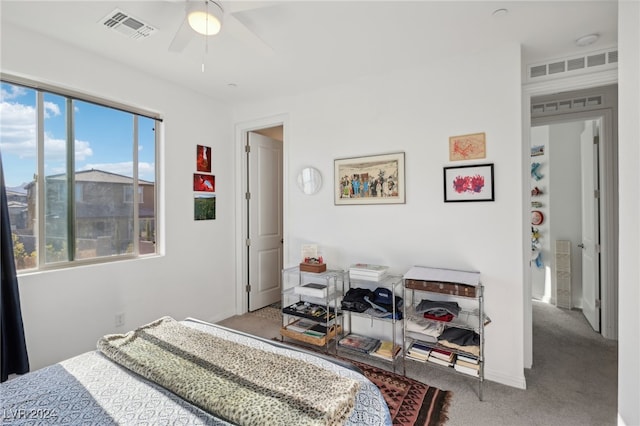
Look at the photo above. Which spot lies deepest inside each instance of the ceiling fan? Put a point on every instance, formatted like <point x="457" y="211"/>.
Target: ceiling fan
<point x="209" y="17"/>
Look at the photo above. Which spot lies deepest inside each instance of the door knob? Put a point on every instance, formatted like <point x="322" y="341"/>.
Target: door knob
<point x="581" y="245"/>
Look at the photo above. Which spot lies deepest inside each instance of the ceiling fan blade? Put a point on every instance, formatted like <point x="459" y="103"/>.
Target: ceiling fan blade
<point x="235" y="6"/>
<point x="240" y="28"/>
<point x="235" y="22"/>
<point x="182" y="38"/>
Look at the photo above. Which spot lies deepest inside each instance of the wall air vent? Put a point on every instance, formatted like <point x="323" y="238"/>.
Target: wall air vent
<point x="556" y="67"/>
<point x="575" y="64"/>
<point x="538" y="71"/>
<point x="567" y="105"/>
<point x="596" y="60"/>
<point x="564" y="67"/>
<point x="127" y="25"/>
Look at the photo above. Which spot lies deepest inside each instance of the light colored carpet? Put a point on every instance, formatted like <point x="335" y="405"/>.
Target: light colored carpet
<point x="573" y="380"/>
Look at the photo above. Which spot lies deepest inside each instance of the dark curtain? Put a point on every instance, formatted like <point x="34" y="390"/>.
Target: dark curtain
<point x="13" y="347"/>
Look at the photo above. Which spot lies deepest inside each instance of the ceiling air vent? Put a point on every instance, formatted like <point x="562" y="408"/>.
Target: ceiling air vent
<point x="563" y="67"/>
<point x="127" y="25"/>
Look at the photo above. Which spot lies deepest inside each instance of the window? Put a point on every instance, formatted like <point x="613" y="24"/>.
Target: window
<point x="128" y="194"/>
<point x="80" y="175"/>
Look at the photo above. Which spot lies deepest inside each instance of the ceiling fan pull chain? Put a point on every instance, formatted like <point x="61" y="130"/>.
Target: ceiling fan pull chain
<point x="206" y="39"/>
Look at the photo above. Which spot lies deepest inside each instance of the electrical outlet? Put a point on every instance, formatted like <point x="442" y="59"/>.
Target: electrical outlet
<point x="119" y="319"/>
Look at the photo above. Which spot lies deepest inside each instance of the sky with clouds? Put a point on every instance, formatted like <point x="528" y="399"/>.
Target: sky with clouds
<point x="103" y="137"/>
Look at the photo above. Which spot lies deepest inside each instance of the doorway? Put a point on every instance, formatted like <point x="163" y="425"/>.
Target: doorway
<point x="565" y="210"/>
<point x="578" y="201"/>
<point x="264" y="227"/>
<point x="260" y="201"/>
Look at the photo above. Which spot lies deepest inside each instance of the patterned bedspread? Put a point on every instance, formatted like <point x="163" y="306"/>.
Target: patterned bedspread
<point x="91" y="389"/>
<point x="249" y="387"/>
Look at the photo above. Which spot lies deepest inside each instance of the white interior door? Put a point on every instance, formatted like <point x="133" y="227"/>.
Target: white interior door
<point x="265" y="220"/>
<point x="590" y="246"/>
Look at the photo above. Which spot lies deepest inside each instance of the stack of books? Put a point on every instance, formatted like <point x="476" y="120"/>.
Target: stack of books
<point x="318" y="331"/>
<point x="419" y="351"/>
<point x="387" y="350"/>
<point x="367" y="271"/>
<point x="441" y="357"/>
<point x="309" y="328"/>
<point x="301" y="325"/>
<point x="359" y="343"/>
<point x="467" y="365"/>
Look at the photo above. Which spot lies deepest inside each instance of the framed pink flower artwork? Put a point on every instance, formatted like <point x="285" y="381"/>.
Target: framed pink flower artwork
<point x="468" y="183"/>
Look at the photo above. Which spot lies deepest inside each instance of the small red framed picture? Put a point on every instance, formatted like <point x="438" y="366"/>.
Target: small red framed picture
<point x="203" y="158"/>
<point x="204" y="183"/>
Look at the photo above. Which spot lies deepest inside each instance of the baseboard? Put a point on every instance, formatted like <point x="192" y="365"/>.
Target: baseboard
<point x="218" y="318"/>
<point x="498" y="377"/>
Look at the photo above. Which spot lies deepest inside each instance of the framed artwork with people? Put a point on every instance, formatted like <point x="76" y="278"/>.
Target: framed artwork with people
<point x="372" y="179"/>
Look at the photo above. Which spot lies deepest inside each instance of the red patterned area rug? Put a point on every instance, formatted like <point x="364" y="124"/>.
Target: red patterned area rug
<point x="410" y="402"/>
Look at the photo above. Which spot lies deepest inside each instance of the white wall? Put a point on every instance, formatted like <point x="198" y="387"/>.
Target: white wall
<point x="629" y="181"/>
<point x="416" y="111"/>
<point x="66" y="311"/>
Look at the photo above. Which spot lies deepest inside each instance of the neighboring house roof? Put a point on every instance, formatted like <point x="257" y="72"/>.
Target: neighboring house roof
<point x="17" y="205"/>
<point x="17" y="190"/>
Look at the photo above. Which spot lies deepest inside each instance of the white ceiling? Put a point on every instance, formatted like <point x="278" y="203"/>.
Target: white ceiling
<point x="310" y="44"/>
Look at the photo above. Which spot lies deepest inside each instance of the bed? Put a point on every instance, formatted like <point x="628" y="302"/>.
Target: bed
<point x="193" y="373"/>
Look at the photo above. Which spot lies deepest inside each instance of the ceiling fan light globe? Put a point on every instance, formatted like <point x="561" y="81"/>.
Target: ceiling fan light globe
<point x="203" y="23"/>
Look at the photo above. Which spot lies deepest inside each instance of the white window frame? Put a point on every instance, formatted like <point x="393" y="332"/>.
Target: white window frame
<point x="40" y="89"/>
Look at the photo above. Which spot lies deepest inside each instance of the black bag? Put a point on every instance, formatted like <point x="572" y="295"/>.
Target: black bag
<point x="354" y="299"/>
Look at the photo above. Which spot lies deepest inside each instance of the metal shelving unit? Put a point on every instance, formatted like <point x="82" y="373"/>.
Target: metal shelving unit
<point x="391" y="282"/>
<point x="471" y="317"/>
<point x="297" y="306"/>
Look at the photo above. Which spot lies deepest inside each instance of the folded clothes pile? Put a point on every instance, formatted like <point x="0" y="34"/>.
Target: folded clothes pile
<point x="461" y="339"/>
<point x="382" y="304"/>
<point x="377" y="303"/>
<point x="438" y="310"/>
<point x="419" y="328"/>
